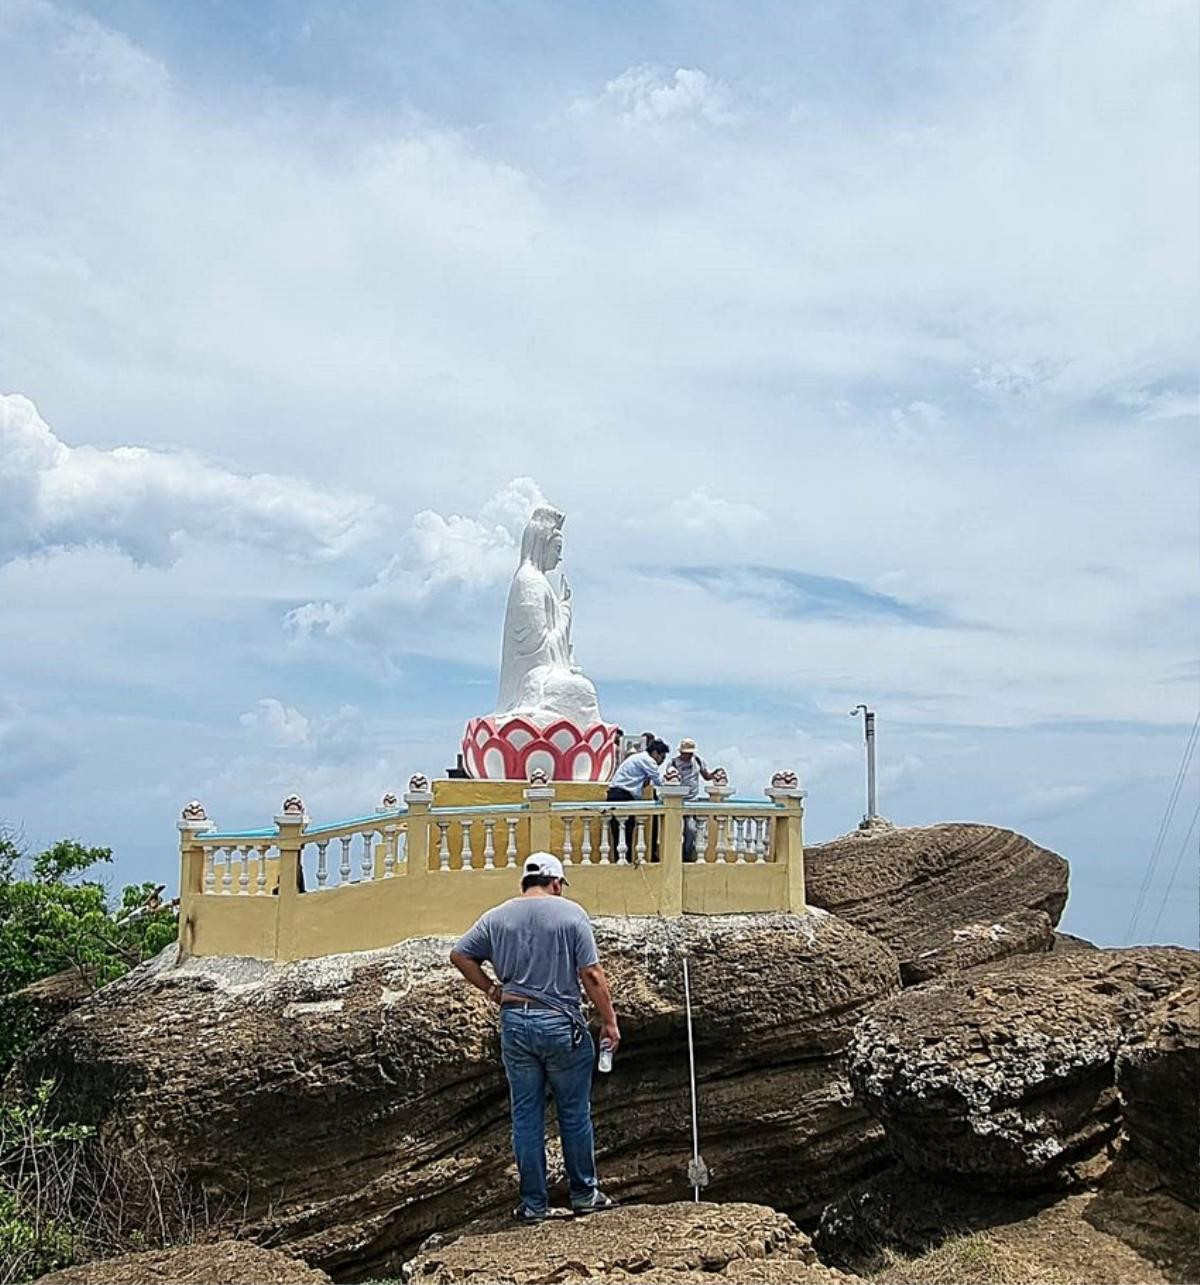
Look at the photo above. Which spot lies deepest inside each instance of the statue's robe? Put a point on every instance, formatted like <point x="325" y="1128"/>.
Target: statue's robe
<point x="538" y="678"/>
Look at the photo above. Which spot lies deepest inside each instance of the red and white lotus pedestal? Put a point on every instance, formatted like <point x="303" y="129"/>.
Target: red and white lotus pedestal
<point x="509" y="748"/>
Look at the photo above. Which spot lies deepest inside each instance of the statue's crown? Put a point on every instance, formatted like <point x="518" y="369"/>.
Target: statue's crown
<point x="544" y="513"/>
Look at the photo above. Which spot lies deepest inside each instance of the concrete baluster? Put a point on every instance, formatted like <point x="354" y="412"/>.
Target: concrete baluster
<point x="489" y="844"/>
<point x="466" y="857"/>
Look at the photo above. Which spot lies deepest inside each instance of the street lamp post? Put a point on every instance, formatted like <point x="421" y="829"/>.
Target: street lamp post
<point x="869" y="732"/>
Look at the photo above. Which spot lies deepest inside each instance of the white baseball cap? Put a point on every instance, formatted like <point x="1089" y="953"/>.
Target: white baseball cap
<point x="546" y="864"/>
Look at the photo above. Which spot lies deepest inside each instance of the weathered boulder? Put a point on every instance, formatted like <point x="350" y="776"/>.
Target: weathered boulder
<point x="1158" y="1078"/>
<point x="674" y="1244"/>
<point x="943" y="897"/>
<point x="224" y="1262"/>
<point x="357" y="1103"/>
<point x="898" y="1227"/>
<point x="1006" y="1074"/>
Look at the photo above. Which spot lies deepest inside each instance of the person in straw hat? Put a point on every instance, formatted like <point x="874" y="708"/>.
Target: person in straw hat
<point x="691" y="769"/>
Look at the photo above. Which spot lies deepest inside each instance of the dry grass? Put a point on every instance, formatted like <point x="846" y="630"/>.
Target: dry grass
<point x="969" y="1260"/>
<point x="67" y="1196"/>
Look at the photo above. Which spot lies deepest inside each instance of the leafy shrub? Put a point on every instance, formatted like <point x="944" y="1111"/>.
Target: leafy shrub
<point x="53" y="920"/>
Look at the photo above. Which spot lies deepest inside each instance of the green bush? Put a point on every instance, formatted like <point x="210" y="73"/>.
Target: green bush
<point x="29" y="1248"/>
<point x="53" y="919"/>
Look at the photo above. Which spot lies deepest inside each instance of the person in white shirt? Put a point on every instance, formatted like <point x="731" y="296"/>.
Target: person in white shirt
<point x="629" y="783"/>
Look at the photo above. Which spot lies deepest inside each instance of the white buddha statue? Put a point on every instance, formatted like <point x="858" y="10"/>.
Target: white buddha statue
<point x="539" y="679"/>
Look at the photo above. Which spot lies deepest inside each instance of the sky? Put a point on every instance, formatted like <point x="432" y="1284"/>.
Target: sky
<point x="858" y="342"/>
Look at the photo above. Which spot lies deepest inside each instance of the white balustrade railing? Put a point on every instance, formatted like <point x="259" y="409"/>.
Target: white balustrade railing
<point x="605" y="834"/>
<point x="466" y="839"/>
<point x="240" y="869"/>
<point x="732" y="833"/>
<point x="282" y="871"/>
<point x="632" y="833"/>
<point x="330" y="857"/>
<point x="355" y="853"/>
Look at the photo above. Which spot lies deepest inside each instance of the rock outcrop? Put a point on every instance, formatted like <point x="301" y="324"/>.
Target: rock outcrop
<point x="1007" y="1074"/>
<point x="224" y="1262"/>
<point x="899" y="1227"/>
<point x="357" y="1104"/>
<point x="675" y="1244"/>
<point x="943" y="897"/>
<point x="1158" y="1078"/>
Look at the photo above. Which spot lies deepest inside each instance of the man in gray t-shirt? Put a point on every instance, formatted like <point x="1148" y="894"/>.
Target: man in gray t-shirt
<point x="542" y="949"/>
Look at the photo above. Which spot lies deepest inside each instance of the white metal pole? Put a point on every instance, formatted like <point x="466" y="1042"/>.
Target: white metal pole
<point x="687" y="996"/>
<point x="869" y="736"/>
<point x="870" y="721"/>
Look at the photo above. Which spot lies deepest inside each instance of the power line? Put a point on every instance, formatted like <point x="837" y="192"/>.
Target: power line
<point x="1162" y="905"/>
<point x="1164" y="825"/>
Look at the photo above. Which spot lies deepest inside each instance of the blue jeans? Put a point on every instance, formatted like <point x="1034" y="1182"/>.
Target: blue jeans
<point x="537" y="1049"/>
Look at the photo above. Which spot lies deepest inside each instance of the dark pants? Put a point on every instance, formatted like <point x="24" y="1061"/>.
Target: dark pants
<point x="689" y="838"/>
<point x="618" y="795"/>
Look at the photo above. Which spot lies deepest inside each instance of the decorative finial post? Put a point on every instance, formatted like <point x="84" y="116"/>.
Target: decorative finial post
<point x="290" y="821"/>
<point x="538" y="797"/>
<point x="418" y="799"/>
<point x="718" y="788"/>
<point x="672" y="793"/>
<point x="193" y="822"/>
<point x="787" y="843"/>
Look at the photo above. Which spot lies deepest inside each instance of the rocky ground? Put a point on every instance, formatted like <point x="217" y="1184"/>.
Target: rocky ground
<point x="1129" y="1230"/>
<point x="227" y="1262"/>
<point x="675" y="1244"/>
<point x="926" y="1069"/>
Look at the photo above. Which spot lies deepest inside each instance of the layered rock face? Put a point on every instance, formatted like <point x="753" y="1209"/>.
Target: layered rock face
<point x="1158" y="1078"/>
<point x="1008" y="1074"/>
<point x="357" y="1103"/>
<point x="943" y="897"/>
<point x="675" y="1244"/>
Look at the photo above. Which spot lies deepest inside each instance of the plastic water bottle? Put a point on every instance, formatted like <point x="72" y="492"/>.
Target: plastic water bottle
<point x="606" y="1055"/>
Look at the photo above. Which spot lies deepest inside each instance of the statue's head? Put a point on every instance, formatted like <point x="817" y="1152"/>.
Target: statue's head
<point x="542" y="542"/>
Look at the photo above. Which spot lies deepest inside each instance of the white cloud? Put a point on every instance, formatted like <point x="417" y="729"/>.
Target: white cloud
<point x="146" y="502"/>
<point x="439" y="554"/>
<point x="703" y="511"/>
<point x="337" y="738"/>
<point x="1047" y="800"/>
<point x="652" y="95"/>
<point x="281" y="724"/>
